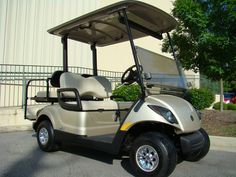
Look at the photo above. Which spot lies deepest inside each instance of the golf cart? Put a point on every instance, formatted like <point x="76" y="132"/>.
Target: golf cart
<point x="157" y="131"/>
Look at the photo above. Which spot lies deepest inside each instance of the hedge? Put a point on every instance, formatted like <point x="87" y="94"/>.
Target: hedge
<point x="200" y="98"/>
<point x="229" y="106"/>
<point x="129" y="92"/>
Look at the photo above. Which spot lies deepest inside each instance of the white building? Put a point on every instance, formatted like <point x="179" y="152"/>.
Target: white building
<point x="24" y="39"/>
<point x="23" y="31"/>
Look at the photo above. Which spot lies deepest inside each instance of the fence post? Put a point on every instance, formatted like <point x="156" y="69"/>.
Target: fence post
<point x="23" y="88"/>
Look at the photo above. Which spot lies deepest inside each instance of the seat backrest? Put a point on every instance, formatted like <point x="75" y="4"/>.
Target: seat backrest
<point x="96" y="86"/>
<point x="55" y="78"/>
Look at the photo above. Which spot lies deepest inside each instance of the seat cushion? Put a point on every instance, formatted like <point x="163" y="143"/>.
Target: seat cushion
<point x="106" y="105"/>
<point x="43" y="94"/>
<point x="95" y="105"/>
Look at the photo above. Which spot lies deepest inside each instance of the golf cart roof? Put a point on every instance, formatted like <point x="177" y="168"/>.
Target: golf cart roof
<point x="105" y="27"/>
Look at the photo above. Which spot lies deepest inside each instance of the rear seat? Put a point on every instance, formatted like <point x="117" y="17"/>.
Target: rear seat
<point x="43" y="94"/>
<point x="52" y="94"/>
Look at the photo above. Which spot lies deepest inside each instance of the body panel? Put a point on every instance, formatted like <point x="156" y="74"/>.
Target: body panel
<point x="83" y="123"/>
<point x="182" y="110"/>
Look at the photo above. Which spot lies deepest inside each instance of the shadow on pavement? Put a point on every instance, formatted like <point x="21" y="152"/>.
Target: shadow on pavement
<point x="32" y="163"/>
<point x="126" y="165"/>
<point x="89" y="153"/>
<point x="25" y="166"/>
<point x="99" y="156"/>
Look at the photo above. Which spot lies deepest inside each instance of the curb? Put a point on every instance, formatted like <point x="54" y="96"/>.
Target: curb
<point x="15" y="128"/>
<point x="223" y="143"/>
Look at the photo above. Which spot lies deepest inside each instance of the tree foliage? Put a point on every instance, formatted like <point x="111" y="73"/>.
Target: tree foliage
<point x="230" y="86"/>
<point x="205" y="39"/>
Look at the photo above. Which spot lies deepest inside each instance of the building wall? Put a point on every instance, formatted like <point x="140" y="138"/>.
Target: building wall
<point x="24" y="38"/>
<point x="23" y="31"/>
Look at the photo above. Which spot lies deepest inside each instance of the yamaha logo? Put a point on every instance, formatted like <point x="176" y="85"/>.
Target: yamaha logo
<point x="192" y="118"/>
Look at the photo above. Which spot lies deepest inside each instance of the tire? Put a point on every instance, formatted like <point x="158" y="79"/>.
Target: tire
<point x="156" y="149"/>
<point x="198" y="155"/>
<point x="45" y="136"/>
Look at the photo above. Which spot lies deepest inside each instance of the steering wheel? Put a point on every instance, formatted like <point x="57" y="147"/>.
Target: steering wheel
<point x="130" y="75"/>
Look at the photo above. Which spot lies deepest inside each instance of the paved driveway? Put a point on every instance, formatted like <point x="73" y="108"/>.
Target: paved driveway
<point x="21" y="157"/>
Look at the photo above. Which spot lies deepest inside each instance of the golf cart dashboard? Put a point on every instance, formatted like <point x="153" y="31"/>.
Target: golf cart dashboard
<point x="156" y="89"/>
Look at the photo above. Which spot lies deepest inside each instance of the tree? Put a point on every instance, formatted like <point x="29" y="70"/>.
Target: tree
<point x="205" y="39"/>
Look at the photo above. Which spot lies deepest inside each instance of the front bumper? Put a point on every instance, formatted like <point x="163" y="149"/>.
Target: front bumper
<point x="192" y="143"/>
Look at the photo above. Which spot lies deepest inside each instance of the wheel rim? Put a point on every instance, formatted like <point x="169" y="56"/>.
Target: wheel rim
<point x="147" y="158"/>
<point x="43" y="136"/>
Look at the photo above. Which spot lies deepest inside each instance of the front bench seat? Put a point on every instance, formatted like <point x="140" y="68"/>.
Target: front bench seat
<point x="98" y="87"/>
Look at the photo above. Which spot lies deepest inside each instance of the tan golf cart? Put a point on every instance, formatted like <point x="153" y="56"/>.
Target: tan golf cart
<point x="157" y="131"/>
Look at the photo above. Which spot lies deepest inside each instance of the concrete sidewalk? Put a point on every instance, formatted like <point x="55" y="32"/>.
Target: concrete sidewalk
<point x="12" y="119"/>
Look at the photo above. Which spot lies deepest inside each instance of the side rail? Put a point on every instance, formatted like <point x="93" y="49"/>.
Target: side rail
<point x="69" y="94"/>
<point x="70" y="99"/>
<point x="27" y="91"/>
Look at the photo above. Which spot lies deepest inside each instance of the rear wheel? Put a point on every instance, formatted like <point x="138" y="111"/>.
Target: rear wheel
<point x="45" y="136"/>
<point x="153" y="154"/>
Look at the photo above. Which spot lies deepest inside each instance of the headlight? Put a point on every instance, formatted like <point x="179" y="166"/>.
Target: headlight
<point x="166" y="113"/>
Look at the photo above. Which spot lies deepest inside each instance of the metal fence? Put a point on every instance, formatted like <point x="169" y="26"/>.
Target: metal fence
<point x="13" y="80"/>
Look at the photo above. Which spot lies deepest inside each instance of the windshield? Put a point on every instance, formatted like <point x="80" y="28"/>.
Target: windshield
<point x="159" y="70"/>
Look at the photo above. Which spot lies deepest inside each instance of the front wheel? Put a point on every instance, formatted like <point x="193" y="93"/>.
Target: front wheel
<point x="45" y="136"/>
<point x="153" y="155"/>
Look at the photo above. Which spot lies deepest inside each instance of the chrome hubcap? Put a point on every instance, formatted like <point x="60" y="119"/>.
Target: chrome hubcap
<point x="147" y="158"/>
<point x="43" y="136"/>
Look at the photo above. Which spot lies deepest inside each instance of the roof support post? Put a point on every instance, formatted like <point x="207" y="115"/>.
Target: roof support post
<point x="131" y="39"/>
<point x="95" y="68"/>
<point x="65" y="53"/>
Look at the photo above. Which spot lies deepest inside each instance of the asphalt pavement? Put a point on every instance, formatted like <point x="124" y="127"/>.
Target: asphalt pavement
<point x="21" y="157"/>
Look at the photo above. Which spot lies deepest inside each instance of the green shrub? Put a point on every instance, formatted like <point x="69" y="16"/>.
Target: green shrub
<point x="231" y="106"/>
<point x="200" y="98"/>
<point x="217" y="106"/>
<point x="129" y="92"/>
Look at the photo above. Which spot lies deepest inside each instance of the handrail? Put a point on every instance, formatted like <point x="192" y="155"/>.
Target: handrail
<point x="26" y="93"/>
